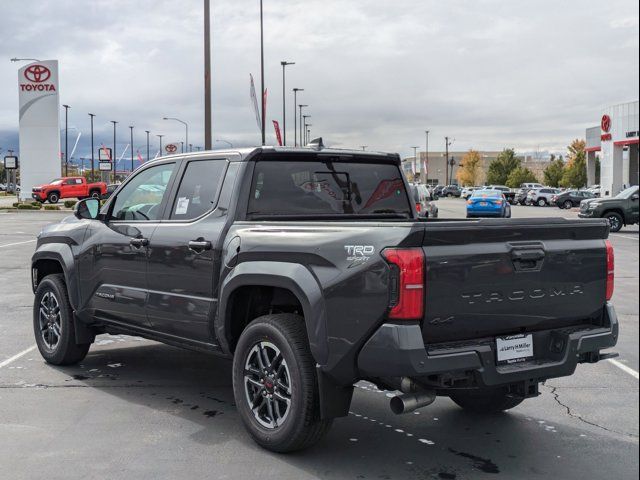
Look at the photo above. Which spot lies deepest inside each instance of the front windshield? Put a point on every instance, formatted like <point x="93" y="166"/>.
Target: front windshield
<point x="628" y="192"/>
<point x="57" y="181"/>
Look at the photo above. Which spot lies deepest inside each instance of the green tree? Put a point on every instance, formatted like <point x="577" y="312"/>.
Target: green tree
<point x="470" y="172"/>
<point x="554" y="172"/>
<point x="502" y="166"/>
<point x="519" y="176"/>
<point x="575" y="174"/>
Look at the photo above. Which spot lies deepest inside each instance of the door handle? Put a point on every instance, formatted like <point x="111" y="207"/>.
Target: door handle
<point x="139" y="242"/>
<point x="199" y="246"/>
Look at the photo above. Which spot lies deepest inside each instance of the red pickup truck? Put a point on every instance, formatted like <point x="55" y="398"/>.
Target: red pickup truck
<point x="68" y="187"/>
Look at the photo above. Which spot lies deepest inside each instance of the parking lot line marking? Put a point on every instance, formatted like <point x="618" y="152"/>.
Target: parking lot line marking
<point x="623" y="236"/>
<point x="624" y="368"/>
<point x="17" y="356"/>
<point x="18" y="243"/>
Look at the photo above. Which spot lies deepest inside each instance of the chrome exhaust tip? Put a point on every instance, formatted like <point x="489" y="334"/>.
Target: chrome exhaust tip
<point x="409" y="402"/>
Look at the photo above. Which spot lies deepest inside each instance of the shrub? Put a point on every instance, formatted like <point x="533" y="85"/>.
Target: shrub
<point x="36" y="204"/>
<point x="26" y="206"/>
<point x="51" y="207"/>
<point x="69" y="203"/>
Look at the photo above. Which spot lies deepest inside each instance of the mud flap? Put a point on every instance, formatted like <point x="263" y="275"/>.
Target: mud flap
<point x="84" y="333"/>
<point x="335" y="399"/>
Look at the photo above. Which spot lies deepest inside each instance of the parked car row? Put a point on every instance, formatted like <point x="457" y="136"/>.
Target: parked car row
<point x="423" y="201"/>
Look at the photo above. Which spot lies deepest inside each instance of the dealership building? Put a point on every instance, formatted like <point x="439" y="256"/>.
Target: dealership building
<point x="615" y="142"/>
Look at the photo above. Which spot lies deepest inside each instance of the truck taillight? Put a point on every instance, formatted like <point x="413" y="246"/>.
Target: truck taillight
<point x="610" y="269"/>
<point x="418" y="207"/>
<point x="407" y="282"/>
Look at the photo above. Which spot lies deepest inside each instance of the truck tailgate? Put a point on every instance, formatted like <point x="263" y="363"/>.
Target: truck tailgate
<point x="497" y="277"/>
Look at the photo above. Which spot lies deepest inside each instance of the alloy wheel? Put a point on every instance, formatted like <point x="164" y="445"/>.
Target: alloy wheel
<point x="50" y="321"/>
<point x="267" y="385"/>
<point x="614" y="223"/>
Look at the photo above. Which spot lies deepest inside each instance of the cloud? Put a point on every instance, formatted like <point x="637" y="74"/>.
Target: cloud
<point x="378" y="73"/>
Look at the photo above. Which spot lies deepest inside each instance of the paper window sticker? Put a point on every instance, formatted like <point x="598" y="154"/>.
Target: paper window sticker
<point x="182" y="206"/>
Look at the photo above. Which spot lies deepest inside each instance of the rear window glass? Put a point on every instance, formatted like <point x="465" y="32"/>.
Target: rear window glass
<point x="487" y="193"/>
<point x="327" y="188"/>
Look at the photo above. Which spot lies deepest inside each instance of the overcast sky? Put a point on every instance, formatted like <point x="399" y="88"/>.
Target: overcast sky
<point x="492" y="74"/>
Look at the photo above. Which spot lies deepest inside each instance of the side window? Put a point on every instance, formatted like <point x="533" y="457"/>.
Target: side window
<point x="70" y="181"/>
<point x="199" y="189"/>
<point x="140" y="199"/>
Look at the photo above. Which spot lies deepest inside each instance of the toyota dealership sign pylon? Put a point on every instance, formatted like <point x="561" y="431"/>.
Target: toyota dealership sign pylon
<point x="39" y="105"/>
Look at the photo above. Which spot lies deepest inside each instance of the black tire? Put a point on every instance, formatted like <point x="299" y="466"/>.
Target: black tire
<point x="542" y="202"/>
<point x="486" y="400"/>
<point x="568" y="204"/>
<point x="615" y="221"/>
<point x="95" y="194"/>
<point x="65" y="351"/>
<point x="53" y="197"/>
<point x="301" y="426"/>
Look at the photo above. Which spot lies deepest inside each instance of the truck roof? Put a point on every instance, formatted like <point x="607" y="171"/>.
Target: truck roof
<point x="247" y="152"/>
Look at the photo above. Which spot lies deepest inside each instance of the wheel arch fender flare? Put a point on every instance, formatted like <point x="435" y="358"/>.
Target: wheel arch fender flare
<point x="291" y="276"/>
<point x="62" y="254"/>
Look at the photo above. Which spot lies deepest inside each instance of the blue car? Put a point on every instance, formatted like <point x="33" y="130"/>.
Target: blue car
<point x="488" y="203"/>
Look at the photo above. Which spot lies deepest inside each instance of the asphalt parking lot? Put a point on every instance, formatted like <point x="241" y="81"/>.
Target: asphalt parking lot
<point x="138" y="409"/>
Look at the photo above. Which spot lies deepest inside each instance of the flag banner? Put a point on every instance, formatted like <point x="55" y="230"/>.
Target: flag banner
<point x="276" y="126"/>
<point x="254" y="101"/>
<point x="264" y="103"/>
<point x="140" y="157"/>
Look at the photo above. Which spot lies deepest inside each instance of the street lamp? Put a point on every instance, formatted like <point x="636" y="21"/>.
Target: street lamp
<point x="14" y="59"/>
<point x="363" y="147"/>
<point x="93" y="166"/>
<point x="295" y="117"/>
<point x="131" y="129"/>
<point x="262" y="73"/>
<point x="308" y="130"/>
<point x="225" y="141"/>
<point x="207" y="75"/>
<point x="147" y="132"/>
<point x="304" y="122"/>
<point x="284" y="63"/>
<point x="415" y="161"/>
<point x="160" y="137"/>
<point x="447" y="144"/>
<point x="66" y="140"/>
<point x="426" y="160"/>
<point x="113" y="153"/>
<point x="186" y="127"/>
<point x="301" y="124"/>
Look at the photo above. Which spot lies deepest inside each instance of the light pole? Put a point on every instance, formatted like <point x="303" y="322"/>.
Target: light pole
<point x="307" y="132"/>
<point x="447" y="144"/>
<point x="93" y="168"/>
<point x="207" y="76"/>
<point x="131" y="129"/>
<point x="301" y="124"/>
<point x="426" y="160"/>
<point x="304" y="123"/>
<point x="66" y="140"/>
<point x="295" y="117"/>
<point x="262" y="74"/>
<point x="186" y="127"/>
<point x="147" y="132"/>
<point x="284" y="63"/>
<point x="415" y="162"/>
<point x="225" y="141"/>
<point x="363" y="147"/>
<point x="14" y="59"/>
<point x="113" y="153"/>
<point x="160" y="137"/>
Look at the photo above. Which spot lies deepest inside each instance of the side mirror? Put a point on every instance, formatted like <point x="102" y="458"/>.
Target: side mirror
<point x="87" y="209"/>
<point x="634" y="196"/>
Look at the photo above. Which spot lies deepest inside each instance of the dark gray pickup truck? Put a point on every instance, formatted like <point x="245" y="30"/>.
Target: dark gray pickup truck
<point x="311" y="268"/>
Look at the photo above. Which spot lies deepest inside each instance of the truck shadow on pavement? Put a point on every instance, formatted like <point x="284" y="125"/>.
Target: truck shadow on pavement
<point x="440" y="442"/>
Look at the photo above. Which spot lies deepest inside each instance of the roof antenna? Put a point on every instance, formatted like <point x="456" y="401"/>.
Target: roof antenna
<point x="316" y="143"/>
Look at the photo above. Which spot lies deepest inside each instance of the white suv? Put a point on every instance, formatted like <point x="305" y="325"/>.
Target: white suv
<point x="541" y="196"/>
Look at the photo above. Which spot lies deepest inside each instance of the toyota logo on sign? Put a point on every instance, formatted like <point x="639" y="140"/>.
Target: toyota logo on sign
<point x="171" y="148"/>
<point x="37" y="73"/>
<point x="605" y="123"/>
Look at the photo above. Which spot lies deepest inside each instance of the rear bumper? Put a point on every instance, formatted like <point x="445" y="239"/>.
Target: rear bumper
<point x="397" y="350"/>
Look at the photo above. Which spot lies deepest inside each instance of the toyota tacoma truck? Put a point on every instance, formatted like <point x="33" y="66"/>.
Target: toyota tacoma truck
<point x="623" y="209"/>
<point x="68" y="187"/>
<point x="311" y="268"/>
